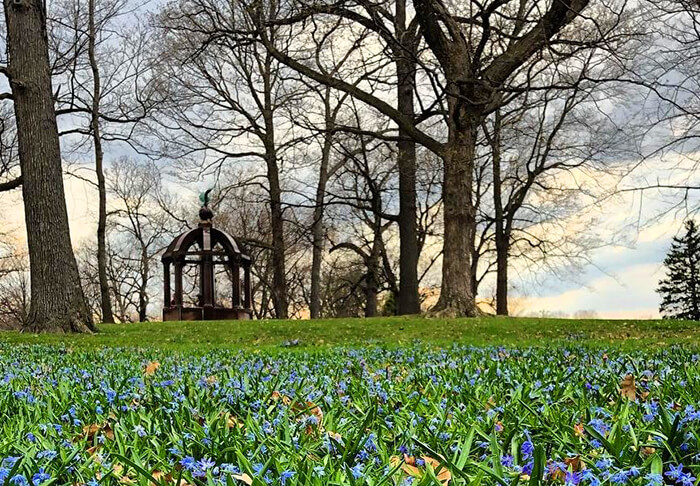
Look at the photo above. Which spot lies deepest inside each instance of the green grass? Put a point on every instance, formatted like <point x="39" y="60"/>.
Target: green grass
<point x="385" y="331"/>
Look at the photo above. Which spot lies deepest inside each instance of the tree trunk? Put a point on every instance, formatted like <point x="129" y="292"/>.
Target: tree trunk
<point x="318" y="244"/>
<point x="143" y="289"/>
<point x="409" y="300"/>
<point x="457" y="291"/>
<point x="105" y="300"/>
<point x="372" y="288"/>
<point x="502" y="247"/>
<point x="57" y="299"/>
<point x="317" y="227"/>
<point x="279" y="274"/>
<point x="502" y="239"/>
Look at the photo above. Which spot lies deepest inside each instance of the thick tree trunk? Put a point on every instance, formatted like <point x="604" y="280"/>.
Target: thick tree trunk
<point x="105" y="299"/>
<point x="457" y="292"/>
<point x="57" y="299"/>
<point x="409" y="300"/>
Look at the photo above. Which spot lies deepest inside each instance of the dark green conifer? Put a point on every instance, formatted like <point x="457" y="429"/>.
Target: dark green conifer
<point x="680" y="290"/>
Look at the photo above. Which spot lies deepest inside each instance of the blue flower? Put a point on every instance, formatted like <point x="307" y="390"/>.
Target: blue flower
<point x="19" y="480"/>
<point x="188" y="463"/>
<point x="674" y="473"/>
<point x="40" y="477"/>
<point x="686" y="479"/>
<point x="356" y="471"/>
<point x="286" y="475"/>
<point x="654" y="479"/>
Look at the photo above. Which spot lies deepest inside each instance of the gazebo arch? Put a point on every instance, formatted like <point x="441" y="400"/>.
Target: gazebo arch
<point x="206" y="247"/>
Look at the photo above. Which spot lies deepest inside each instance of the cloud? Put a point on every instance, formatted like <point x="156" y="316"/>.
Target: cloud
<point x="81" y="203"/>
<point x="631" y="294"/>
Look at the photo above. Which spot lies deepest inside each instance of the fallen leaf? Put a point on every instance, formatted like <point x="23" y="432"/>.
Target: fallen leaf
<point x="334" y="435"/>
<point x="628" y="388"/>
<point x="575" y="463"/>
<point x="232" y="422"/>
<point x="160" y="476"/>
<point x="151" y="368"/>
<point x="410" y="466"/>
<point x="244" y="478"/>
<point x="90" y="431"/>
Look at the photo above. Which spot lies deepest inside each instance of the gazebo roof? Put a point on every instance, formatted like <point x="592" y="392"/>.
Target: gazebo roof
<point x="206" y="237"/>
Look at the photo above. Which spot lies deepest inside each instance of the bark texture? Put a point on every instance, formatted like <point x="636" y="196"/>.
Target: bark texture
<point x="57" y="300"/>
<point x="409" y="300"/>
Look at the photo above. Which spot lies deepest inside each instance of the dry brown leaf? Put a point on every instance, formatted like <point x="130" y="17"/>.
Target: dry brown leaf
<point x="334" y="435"/>
<point x="151" y="368"/>
<point x="491" y="403"/>
<point x="160" y="476"/>
<point x="628" y="388"/>
<point x="555" y="472"/>
<point x="232" y="422"/>
<point x="316" y="412"/>
<point x="306" y="408"/>
<point x="90" y="431"/>
<point x="93" y="450"/>
<point x="244" y="478"/>
<point x="107" y="431"/>
<point x="411" y="468"/>
<point x="575" y="463"/>
<point x="211" y="380"/>
<point x="277" y="396"/>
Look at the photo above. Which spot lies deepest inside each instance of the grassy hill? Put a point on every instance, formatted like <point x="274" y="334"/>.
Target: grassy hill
<point x="385" y="331"/>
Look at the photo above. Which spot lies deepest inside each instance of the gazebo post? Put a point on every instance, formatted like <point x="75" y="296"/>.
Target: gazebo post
<point x="246" y="286"/>
<point x="166" y="283"/>
<point x="178" y="284"/>
<point x="236" y="285"/>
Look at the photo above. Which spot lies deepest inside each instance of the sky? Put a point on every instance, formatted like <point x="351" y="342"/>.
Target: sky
<point x="620" y="283"/>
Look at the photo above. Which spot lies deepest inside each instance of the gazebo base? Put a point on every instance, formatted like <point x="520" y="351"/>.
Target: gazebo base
<point x="205" y="314"/>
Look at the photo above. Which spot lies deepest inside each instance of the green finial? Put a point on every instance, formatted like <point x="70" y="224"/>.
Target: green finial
<point x="204" y="197"/>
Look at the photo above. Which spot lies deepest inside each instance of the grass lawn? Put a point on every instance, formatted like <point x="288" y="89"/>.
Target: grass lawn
<point x="395" y="331"/>
<point x="566" y="403"/>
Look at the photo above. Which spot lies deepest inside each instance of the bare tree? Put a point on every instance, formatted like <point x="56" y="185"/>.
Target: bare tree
<point x="479" y="50"/>
<point x="140" y="229"/>
<point x="14" y="286"/>
<point x="102" y="73"/>
<point x="226" y="93"/>
<point x="10" y="177"/>
<point x="58" y="302"/>
<point x="545" y="151"/>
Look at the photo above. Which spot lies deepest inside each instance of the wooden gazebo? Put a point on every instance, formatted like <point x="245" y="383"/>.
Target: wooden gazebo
<point x="206" y="248"/>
